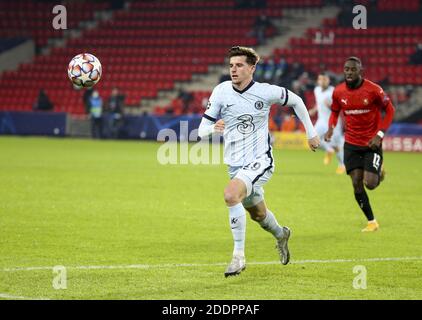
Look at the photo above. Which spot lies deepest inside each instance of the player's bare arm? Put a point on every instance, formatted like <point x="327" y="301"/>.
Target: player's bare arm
<point x="313" y="111"/>
<point x="219" y="126"/>
<point x="376" y="141"/>
<point x="332" y="122"/>
<point x="328" y="135"/>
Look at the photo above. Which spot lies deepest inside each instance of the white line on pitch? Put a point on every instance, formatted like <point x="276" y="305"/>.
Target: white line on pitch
<point x="8" y="296"/>
<point x="181" y="265"/>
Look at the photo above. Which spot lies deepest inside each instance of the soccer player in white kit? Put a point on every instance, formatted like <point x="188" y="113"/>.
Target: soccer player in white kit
<point x="323" y="97"/>
<point x="244" y="107"/>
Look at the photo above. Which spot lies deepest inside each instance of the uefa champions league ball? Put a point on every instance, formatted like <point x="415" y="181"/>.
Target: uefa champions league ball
<point x="84" y="70"/>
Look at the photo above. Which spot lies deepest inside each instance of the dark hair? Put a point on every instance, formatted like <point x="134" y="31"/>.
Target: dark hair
<point x="355" y="59"/>
<point x="252" y="57"/>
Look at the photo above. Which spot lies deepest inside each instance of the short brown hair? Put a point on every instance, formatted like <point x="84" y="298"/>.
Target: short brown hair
<point x="252" y="57"/>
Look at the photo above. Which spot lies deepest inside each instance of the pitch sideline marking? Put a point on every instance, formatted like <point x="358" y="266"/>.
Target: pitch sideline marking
<point x="181" y="265"/>
<point x="8" y="296"/>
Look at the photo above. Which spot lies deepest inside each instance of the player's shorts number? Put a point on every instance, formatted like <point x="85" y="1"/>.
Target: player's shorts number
<point x="246" y="125"/>
<point x="376" y="161"/>
<point x="253" y="166"/>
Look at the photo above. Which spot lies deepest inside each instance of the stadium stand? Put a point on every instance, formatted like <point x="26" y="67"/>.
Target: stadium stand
<point x="143" y="50"/>
<point x="19" y="89"/>
<point x="33" y="19"/>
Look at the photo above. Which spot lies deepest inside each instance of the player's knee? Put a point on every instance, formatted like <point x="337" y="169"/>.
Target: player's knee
<point x="231" y="197"/>
<point x="371" y="184"/>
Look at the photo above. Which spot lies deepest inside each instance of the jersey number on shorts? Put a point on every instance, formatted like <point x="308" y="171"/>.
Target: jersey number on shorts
<point x="376" y="161"/>
<point x="246" y="125"/>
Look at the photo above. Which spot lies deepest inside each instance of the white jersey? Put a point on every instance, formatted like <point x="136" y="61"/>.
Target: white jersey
<point x="323" y="102"/>
<point x="245" y="114"/>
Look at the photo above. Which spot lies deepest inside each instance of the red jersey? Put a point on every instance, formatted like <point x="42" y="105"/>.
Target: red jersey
<point x="362" y="108"/>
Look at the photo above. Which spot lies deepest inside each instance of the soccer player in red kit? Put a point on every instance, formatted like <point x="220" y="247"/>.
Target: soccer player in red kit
<point x="362" y="103"/>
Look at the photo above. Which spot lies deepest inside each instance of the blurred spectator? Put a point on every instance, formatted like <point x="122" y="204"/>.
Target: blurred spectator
<point x="114" y="113"/>
<point x="225" y="76"/>
<point x="289" y="123"/>
<point x="298" y="88"/>
<point x="416" y="57"/>
<point x="296" y="70"/>
<point x="335" y="77"/>
<point x="43" y="103"/>
<point x="259" y="70"/>
<point x="96" y="110"/>
<point x="85" y="98"/>
<point x="293" y="72"/>
<point x="277" y="117"/>
<point x="280" y="69"/>
<point x="262" y="25"/>
<point x="409" y="89"/>
<point x="269" y="70"/>
<point x="186" y="98"/>
<point x="305" y="82"/>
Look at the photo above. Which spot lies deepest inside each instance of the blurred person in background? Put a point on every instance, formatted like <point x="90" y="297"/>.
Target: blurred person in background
<point x="43" y="103"/>
<point x="114" y="113"/>
<point x="85" y="98"/>
<point x="95" y="112"/>
<point x="261" y="26"/>
<point x="186" y="97"/>
<point x="323" y="98"/>
<point x="416" y="57"/>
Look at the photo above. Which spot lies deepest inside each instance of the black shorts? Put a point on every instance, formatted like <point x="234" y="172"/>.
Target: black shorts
<point x="358" y="157"/>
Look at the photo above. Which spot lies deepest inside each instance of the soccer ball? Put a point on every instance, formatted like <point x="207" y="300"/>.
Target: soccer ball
<point x="84" y="70"/>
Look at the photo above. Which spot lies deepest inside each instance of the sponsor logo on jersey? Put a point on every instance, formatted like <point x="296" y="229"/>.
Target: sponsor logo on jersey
<point x="356" y="111"/>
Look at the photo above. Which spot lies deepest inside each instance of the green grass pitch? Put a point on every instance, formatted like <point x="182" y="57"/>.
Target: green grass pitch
<point x="126" y="227"/>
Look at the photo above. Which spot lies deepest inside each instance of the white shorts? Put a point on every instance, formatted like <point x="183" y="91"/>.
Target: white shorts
<point x="337" y="140"/>
<point x="254" y="175"/>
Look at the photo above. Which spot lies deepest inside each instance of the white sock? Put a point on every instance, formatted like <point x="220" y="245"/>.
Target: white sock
<point x="271" y="225"/>
<point x="237" y="220"/>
